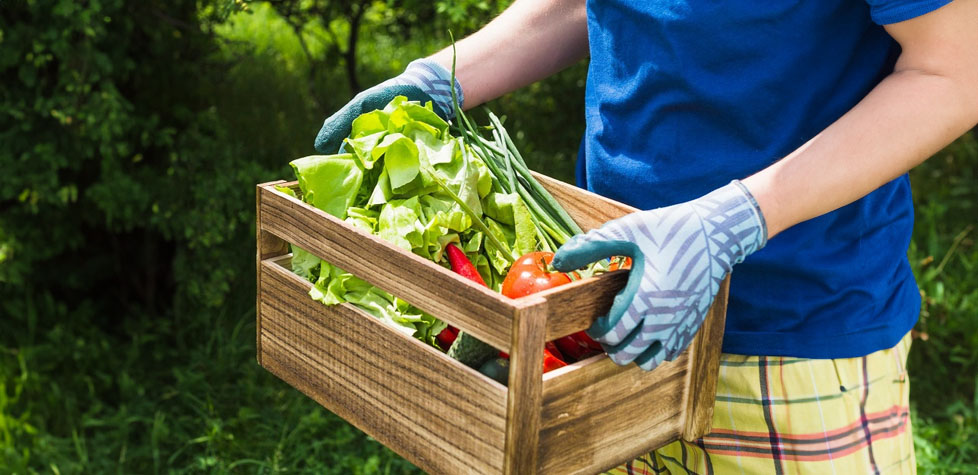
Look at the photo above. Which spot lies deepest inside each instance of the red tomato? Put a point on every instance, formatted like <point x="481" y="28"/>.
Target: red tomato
<point x="529" y="275"/>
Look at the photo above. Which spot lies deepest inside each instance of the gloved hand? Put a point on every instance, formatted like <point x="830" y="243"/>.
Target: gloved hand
<point x="423" y="80"/>
<point x="680" y="254"/>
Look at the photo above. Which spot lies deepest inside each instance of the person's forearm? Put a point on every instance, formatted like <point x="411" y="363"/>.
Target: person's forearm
<point x="906" y="119"/>
<point x="924" y="105"/>
<point x="529" y="41"/>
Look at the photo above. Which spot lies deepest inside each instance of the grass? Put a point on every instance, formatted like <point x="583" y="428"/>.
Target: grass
<point x="158" y="398"/>
<point x="944" y="366"/>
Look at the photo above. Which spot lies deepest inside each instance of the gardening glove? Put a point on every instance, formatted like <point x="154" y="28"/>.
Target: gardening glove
<point x="424" y="80"/>
<point x="680" y="254"/>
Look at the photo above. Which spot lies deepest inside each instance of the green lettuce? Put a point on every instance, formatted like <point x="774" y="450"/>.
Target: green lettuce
<point x="399" y="223"/>
<point x="305" y="263"/>
<point x="408" y="181"/>
<point x="329" y="182"/>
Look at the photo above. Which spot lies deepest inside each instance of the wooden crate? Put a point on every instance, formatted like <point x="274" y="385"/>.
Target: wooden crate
<point x="441" y="415"/>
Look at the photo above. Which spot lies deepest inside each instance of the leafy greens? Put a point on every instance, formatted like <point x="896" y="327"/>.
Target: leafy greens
<point x="406" y="179"/>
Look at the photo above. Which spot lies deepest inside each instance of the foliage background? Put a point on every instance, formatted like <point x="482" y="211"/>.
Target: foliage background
<point x="132" y="134"/>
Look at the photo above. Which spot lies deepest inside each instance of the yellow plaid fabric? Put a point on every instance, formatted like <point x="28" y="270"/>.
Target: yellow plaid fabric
<point x="784" y="415"/>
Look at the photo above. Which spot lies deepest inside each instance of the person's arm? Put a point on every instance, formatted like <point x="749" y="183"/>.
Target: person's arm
<point x="529" y="41"/>
<point x="682" y="252"/>
<point x="930" y="99"/>
<point x="532" y="39"/>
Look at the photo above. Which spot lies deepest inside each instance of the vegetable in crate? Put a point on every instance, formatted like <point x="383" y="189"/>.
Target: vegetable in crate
<point x="466" y="348"/>
<point x="531" y="273"/>
<point x="409" y="181"/>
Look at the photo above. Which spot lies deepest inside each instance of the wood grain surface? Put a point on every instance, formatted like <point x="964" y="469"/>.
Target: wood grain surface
<point x="701" y="380"/>
<point x="442" y="416"/>
<point x="485" y="314"/>
<point x="601" y="414"/>
<point x="588" y="209"/>
<point x="267" y="245"/>
<point x="525" y="387"/>
<point x="573" y="307"/>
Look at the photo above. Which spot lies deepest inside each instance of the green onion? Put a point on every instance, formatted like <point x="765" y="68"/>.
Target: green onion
<point x="510" y="174"/>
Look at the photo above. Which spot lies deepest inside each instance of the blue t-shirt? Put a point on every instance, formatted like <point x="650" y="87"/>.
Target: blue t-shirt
<point x="685" y="95"/>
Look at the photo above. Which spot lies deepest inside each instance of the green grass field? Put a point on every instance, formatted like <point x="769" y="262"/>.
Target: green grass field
<point x="161" y="394"/>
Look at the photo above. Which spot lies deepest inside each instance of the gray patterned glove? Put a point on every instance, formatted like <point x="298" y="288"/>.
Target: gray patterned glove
<point x="680" y="254"/>
<point x="423" y="80"/>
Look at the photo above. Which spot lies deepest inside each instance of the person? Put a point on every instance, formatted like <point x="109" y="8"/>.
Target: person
<point x="770" y="137"/>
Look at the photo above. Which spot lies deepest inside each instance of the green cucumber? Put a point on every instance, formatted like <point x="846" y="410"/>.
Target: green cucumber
<point x="470" y="351"/>
<point x="497" y="369"/>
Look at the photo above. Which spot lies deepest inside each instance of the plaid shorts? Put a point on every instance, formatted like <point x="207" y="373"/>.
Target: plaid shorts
<point x="785" y="415"/>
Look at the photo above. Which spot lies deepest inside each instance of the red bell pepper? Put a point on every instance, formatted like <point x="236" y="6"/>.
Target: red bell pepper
<point x="551" y="362"/>
<point x="447" y="337"/>
<point x="552" y="357"/>
<point x="577" y="346"/>
<point x="462" y="265"/>
<point x="552" y="348"/>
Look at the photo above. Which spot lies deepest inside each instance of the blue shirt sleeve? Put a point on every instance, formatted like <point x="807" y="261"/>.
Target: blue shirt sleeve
<point x="885" y="12"/>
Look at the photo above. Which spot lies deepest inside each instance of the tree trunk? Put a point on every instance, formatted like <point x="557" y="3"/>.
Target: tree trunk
<point x="350" y="55"/>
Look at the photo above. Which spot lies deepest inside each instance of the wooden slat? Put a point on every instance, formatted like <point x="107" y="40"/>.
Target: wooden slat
<point x="284" y="261"/>
<point x="601" y="414"/>
<point x="267" y="245"/>
<point x="573" y="307"/>
<point x="525" y="388"/>
<point x="437" y="413"/>
<point x="483" y="313"/>
<point x="588" y="209"/>
<point x="704" y="352"/>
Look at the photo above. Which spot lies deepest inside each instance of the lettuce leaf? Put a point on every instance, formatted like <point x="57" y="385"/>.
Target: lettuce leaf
<point x="369" y="123"/>
<point x="399" y="224"/>
<point x="364" y="219"/>
<point x="364" y="146"/>
<point x="400" y="161"/>
<point x="329" y="182"/>
<point x="305" y="264"/>
<point x="403" y="112"/>
<point x="336" y="286"/>
<point x="524" y="227"/>
<point x="499" y="206"/>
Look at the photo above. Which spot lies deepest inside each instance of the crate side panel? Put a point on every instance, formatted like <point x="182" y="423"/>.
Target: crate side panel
<point x="267" y="245"/>
<point x="440" y="416"/>
<point x="573" y="307"/>
<point x="600" y="415"/>
<point x="426" y="285"/>
<point x="588" y="209"/>
<point x="705" y="353"/>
